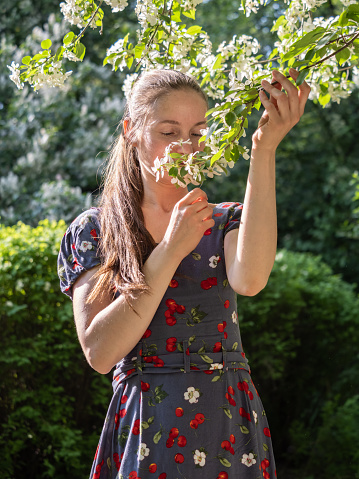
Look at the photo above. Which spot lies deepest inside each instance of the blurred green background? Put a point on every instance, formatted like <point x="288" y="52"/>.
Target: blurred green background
<point x="301" y="333"/>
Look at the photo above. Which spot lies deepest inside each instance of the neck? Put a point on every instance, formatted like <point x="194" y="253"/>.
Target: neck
<point x="160" y="195"/>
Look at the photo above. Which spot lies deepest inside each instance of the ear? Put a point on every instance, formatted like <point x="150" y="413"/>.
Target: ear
<point x="126" y="130"/>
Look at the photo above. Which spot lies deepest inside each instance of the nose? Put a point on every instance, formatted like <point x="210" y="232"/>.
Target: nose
<point x="185" y="147"/>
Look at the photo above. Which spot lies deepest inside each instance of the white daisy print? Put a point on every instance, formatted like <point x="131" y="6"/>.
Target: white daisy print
<point x="85" y="245"/>
<point x="214" y="260"/>
<point x="199" y="458"/>
<point x="248" y="459"/>
<point x="144" y="451"/>
<point x="191" y="395"/>
<point x="216" y="366"/>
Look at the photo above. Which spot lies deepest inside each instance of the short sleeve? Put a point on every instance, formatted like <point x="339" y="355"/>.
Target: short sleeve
<point x="233" y="213"/>
<point x="79" y="249"/>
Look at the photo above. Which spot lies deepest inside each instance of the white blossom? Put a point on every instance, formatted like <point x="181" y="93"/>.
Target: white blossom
<point x="128" y="84"/>
<point x="143" y="451"/>
<point x="86" y="245"/>
<point x="71" y="56"/>
<point x="15" y="75"/>
<point x="214" y="260"/>
<point x="55" y="77"/>
<point x="191" y="395"/>
<point x="234" y="316"/>
<point x="117" y="5"/>
<point x="215" y="366"/>
<point x="72" y="13"/>
<point x="199" y="458"/>
<point x="248" y="459"/>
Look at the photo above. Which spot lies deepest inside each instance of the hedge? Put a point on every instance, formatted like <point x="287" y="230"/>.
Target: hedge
<point x="301" y="334"/>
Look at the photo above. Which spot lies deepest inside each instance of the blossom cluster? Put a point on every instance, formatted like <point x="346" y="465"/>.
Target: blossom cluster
<point x="231" y="75"/>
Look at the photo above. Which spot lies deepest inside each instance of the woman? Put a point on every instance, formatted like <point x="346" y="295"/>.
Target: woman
<point x="154" y="273"/>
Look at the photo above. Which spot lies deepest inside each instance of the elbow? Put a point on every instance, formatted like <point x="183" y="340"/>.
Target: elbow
<point x="250" y="288"/>
<point x="98" y="361"/>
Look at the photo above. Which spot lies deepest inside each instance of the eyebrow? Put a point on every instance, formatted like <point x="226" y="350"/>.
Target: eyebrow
<point x="174" y="122"/>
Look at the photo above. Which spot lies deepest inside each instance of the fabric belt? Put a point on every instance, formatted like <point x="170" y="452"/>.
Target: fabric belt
<point x="179" y="362"/>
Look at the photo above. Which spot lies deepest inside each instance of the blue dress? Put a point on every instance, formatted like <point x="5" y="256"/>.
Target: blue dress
<point x="184" y="405"/>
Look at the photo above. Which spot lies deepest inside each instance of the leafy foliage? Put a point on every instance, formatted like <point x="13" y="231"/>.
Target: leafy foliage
<point x="232" y="75"/>
<point x="301" y="334"/>
<point x="51" y="403"/>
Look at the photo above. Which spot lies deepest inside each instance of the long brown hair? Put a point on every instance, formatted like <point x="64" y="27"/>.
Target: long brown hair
<point x="125" y="243"/>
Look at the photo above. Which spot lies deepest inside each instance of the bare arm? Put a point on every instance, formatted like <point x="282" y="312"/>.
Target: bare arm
<point x="108" y="330"/>
<point x="250" y="252"/>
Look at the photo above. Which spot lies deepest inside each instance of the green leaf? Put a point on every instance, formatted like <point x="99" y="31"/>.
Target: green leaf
<point x="194" y="30"/>
<point x="46" y="44"/>
<point x="239" y="109"/>
<point x="235" y="153"/>
<point x="216" y="157"/>
<point x="26" y="60"/>
<point x="265" y="447"/>
<point x="216" y="378"/>
<point x="343" y="20"/>
<point x="80" y="50"/>
<point x="59" y="53"/>
<point x="68" y="38"/>
<point x="354" y="8"/>
<point x="244" y="429"/>
<point x="139" y="49"/>
<point x="206" y="358"/>
<point x="157" y="437"/>
<point x="218" y="62"/>
<point x="129" y="61"/>
<point x="278" y="23"/>
<point x="224" y="462"/>
<point x="166" y="18"/>
<point x="302" y="76"/>
<point x="176" y="15"/>
<point x="230" y="118"/>
<point x="227" y="412"/>
<point x="324" y="99"/>
<point x="343" y="56"/>
<point x="190" y="14"/>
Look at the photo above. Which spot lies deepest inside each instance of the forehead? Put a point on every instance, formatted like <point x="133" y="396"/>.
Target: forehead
<point x="180" y="106"/>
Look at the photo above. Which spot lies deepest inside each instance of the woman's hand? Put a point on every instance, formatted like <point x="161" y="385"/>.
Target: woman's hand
<point x="191" y="217"/>
<point x="282" y="110"/>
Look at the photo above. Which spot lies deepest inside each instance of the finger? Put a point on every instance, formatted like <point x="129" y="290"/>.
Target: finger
<point x="292" y="92"/>
<point x="304" y="90"/>
<point x="278" y="86"/>
<point x="193" y="196"/>
<point x="281" y="107"/>
<point x="205" y="214"/>
<point x="270" y="108"/>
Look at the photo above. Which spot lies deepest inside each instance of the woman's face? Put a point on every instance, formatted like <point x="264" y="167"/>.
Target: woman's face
<point x="179" y="115"/>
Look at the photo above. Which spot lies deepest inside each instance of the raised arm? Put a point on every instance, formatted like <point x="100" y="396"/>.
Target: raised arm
<point x="108" y="330"/>
<point x="250" y="251"/>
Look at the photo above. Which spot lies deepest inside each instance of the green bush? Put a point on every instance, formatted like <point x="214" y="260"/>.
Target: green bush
<point x="52" y="405"/>
<point x="301" y="334"/>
